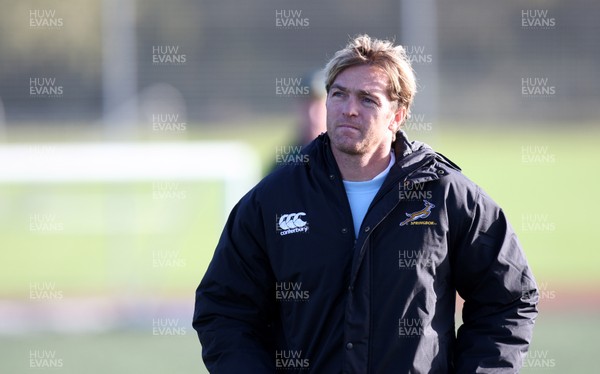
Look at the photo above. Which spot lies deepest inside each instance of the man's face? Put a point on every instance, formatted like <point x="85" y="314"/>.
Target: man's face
<point x="361" y="119"/>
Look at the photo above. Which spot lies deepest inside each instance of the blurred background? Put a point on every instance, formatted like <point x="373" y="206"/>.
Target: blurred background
<point x="129" y="128"/>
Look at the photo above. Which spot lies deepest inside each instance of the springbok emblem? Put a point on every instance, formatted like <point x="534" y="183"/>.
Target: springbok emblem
<point x="423" y="213"/>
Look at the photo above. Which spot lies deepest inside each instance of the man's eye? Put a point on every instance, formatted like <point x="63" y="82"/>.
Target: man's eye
<point x="336" y="94"/>
<point x="369" y="100"/>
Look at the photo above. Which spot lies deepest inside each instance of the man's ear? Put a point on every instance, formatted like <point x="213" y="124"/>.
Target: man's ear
<point x="398" y="119"/>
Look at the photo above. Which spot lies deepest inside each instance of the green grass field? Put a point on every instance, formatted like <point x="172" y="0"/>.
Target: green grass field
<point x="121" y="242"/>
<point x="562" y="344"/>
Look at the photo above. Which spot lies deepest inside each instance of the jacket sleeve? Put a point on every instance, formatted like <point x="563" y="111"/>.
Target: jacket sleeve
<point x="234" y="300"/>
<point x="492" y="275"/>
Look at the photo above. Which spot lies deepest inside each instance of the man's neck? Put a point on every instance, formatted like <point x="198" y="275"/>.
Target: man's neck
<point x="358" y="168"/>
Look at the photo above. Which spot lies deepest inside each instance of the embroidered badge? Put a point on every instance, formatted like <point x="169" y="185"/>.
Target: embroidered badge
<point x="418" y="215"/>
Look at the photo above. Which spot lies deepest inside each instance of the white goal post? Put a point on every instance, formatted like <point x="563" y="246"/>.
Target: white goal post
<point x="234" y="163"/>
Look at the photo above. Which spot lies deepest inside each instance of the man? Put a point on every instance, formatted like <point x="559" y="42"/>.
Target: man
<point x="311" y="116"/>
<point x="351" y="262"/>
<point x="311" y="109"/>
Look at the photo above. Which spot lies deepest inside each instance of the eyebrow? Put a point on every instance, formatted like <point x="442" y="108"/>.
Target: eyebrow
<point x="360" y="92"/>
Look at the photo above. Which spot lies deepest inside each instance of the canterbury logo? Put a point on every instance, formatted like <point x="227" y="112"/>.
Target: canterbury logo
<point x="291" y="223"/>
<point x="420" y="214"/>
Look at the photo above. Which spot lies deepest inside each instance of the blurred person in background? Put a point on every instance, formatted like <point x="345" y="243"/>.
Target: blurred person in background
<point x="311" y="119"/>
<point x="351" y="261"/>
<point x="312" y="114"/>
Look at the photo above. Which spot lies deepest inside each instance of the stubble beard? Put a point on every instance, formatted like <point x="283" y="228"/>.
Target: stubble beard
<point x="350" y="147"/>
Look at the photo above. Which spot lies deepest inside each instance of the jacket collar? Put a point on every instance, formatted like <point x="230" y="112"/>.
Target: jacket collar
<point x="402" y="146"/>
<point x="414" y="158"/>
<point x="425" y="164"/>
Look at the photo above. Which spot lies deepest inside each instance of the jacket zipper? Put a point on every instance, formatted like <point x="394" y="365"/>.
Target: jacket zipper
<point x="369" y="354"/>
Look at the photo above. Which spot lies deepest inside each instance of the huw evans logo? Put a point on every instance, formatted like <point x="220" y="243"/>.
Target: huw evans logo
<point x="290" y="360"/>
<point x="44" y="18"/>
<point x="167" y="55"/>
<point x="290" y="155"/>
<point x="537" y="19"/>
<point x="291" y="291"/>
<point x="291" y="87"/>
<point x="167" y="190"/>
<point x="417" y="54"/>
<point x="537" y="87"/>
<point x="412" y="259"/>
<point x="409" y="190"/>
<point x="167" y="122"/>
<point x="167" y="258"/>
<point x="167" y="326"/>
<point x="43" y="87"/>
<point x="543" y="291"/>
<point x="290" y="19"/>
<point x="44" y="223"/>
<point x="411" y="327"/>
<point x="539" y="359"/>
<point x="419" y="214"/>
<point x="537" y="154"/>
<point x="291" y="223"/>
<point x="42" y="358"/>
<point x="537" y="222"/>
<point x="417" y="122"/>
<point x="44" y="291"/>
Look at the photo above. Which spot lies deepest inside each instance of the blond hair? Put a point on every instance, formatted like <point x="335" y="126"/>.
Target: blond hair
<point x="393" y="60"/>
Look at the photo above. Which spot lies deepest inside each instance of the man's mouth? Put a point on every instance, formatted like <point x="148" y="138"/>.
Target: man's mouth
<point x="348" y="126"/>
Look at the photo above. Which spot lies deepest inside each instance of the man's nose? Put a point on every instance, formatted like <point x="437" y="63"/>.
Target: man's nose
<point x="350" y="108"/>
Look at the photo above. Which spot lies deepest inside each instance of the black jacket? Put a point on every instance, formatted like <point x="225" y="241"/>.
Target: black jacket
<point x="290" y="288"/>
